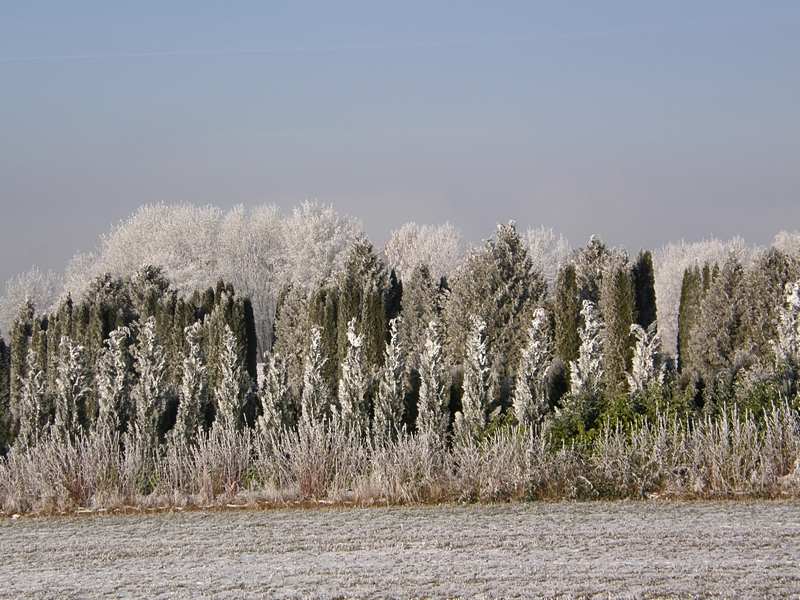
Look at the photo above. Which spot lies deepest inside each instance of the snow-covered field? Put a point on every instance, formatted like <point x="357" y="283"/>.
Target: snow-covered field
<point x="627" y="549"/>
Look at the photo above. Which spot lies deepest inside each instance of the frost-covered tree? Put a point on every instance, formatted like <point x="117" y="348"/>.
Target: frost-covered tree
<point x="6" y="419"/>
<point x="193" y="396"/>
<point x="420" y="302"/>
<point x="567" y="315"/>
<point x="388" y="410"/>
<point x="277" y="408"/>
<point x="40" y="289"/>
<point x="644" y="289"/>
<point x="531" y="403"/>
<point x="32" y="408"/>
<point x="114" y="383"/>
<point x="292" y="332"/>
<point x="318" y="241"/>
<point x="617" y="304"/>
<point x="471" y="420"/>
<point x="149" y="392"/>
<point x="352" y="409"/>
<point x="433" y="412"/>
<point x="315" y="401"/>
<point x="587" y="372"/>
<point x="647" y="366"/>
<point x="441" y="248"/>
<point x="73" y="385"/>
<point x="787" y="346"/>
<point x="229" y="394"/>
<point x="363" y="285"/>
<point x="548" y="255"/>
<point x="496" y="283"/>
<point x="590" y="266"/>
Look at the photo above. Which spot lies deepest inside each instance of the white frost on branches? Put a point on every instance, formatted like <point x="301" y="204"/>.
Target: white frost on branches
<point x="353" y="384"/>
<point x="389" y="400"/>
<point x="441" y="248"/>
<point x="433" y="414"/>
<point x="787" y="346"/>
<point x="530" y="393"/>
<point x="475" y="400"/>
<point x="587" y="372"/>
<point x="314" y="401"/>
<point x="647" y="367"/>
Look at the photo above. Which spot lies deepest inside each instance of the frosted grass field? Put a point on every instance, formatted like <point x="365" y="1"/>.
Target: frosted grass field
<point x="569" y="550"/>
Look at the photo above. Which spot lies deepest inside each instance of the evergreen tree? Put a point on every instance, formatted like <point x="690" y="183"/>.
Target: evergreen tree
<point x="72" y="389"/>
<point x="587" y="372"/>
<point x="193" y="391"/>
<point x="647" y="368"/>
<point x="644" y="284"/>
<point x="323" y="311"/>
<point x="277" y="408"/>
<point x="590" y="266"/>
<point x="388" y="412"/>
<point x="688" y="315"/>
<point x="6" y="420"/>
<point x="114" y="376"/>
<point x="616" y="309"/>
<point x="719" y="333"/>
<point x="471" y="420"/>
<point x="149" y="393"/>
<point x="229" y="394"/>
<point x="496" y="284"/>
<point x="33" y="417"/>
<point x="420" y="307"/>
<point x="787" y="344"/>
<point x="433" y="413"/>
<point x="531" y="402"/>
<point x="315" y="401"/>
<point x="353" y="385"/>
<point x="292" y="332"/>
<point x="21" y="332"/>
<point x="567" y="315"/>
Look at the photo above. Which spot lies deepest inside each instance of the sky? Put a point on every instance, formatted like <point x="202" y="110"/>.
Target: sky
<point x="642" y="122"/>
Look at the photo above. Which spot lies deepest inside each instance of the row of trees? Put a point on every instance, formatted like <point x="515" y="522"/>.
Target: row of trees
<point x="449" y="354"/>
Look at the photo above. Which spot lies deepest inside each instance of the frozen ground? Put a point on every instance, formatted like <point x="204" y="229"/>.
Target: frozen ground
<point x="628" y="550"/>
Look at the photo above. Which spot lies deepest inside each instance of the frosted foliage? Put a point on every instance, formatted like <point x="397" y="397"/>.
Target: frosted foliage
<point x="442" y="248"/>
<point x="148" y="395"/>
<point x="252" y="256"/>
<point x="32" y="411"/>
<point x="42" y="289"/>
<point x="787" y="346"/>
<point x="275" y="396"/>
<point x="73" y="383"/>
<point x="318" y="241"/>
<point x="353" y="384"/>
<point x="474" y="401"/>
<point x="432" y="411"/>
<point x="547" y="253"/>
<point x="787" y="242"/>
<point x="113" y="380"/>
<point x="647" y="367"/>
<point x="530" y="394"/>
<point x="587" y="372"/>
<point x="314" y="401"/>
<point x="229" y="397"/>
<point x="389" y="400"/>
<point x="181" y="238"/>
<point x="669" y="264"/>
<point x="194" y="388"/>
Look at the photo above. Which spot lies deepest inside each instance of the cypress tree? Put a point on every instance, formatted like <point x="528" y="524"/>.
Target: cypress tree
<point x="420" y="307"/>
<point x="315" y="401"/>
<point x="292" y="332"/>
<point x="692" y="292"/>
<point x="645" y="292"/>
<point x="193" y="391"/>
<point x="531" y="402"/>
<point x="567" y="315"/>
<point x="471" y="420"/>
<point x="388" y="412"/>
<point x="617" y="300"/>
<point x="229" y="394"/>
<point x="114" y="379"/>
<point x="433" y="414"/>
<point x="5" y="397"/>
<point x="353" y="385"/>
<point x="21" y="332"/>
<point x="323" y="308"/>
<point x="32" y="412"/>
<point x="72" y="389"/>
<point x="149" y="393"/>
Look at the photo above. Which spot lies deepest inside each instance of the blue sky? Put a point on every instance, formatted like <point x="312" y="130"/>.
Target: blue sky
<point x="642" y="122"/>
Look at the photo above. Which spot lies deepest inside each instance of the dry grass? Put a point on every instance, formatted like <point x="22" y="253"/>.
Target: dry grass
<point x="733" y="456"/>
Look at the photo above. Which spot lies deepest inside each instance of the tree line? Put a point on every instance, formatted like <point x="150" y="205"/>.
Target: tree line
<point x="379" y="353"/>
